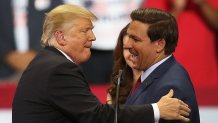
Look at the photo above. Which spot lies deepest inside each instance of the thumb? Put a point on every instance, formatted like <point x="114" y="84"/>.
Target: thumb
<point x="170" y="94"/>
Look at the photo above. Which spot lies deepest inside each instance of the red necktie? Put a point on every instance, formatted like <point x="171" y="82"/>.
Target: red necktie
<point x="136" y="85"/>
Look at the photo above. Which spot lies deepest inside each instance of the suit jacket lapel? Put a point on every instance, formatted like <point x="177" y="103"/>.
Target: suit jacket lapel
<point x="159" y="71"/>
<point x="57" y="52"/>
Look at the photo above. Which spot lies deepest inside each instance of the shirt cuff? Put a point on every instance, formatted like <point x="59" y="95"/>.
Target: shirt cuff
<point x="156" y="112"/>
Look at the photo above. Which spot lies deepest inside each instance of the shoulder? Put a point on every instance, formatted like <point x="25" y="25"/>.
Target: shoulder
<point x="52" y="62"/>
<point x="177" y="70"/>
<point x="176" y="76"/>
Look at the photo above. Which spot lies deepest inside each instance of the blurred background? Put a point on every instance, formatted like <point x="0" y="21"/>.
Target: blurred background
<point x="21" y="24"/>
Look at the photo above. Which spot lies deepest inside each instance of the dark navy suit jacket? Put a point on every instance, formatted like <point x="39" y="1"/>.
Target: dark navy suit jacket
<point x="169" y="75"/>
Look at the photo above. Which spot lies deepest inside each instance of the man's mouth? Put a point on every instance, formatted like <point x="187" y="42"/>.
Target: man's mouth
<point x="88" y="45"/>
<point x="134" y="55"/>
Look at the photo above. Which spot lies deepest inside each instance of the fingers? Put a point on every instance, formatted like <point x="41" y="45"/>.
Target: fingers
<point x="109" y="102"/>
<point x="170" y="94"/>
<point x="184" y="107"/>
<point x="182" y="103"/>
<point x="184" y="119"/>
<point x="109" y="99"/>
<point x="184" y="113"/>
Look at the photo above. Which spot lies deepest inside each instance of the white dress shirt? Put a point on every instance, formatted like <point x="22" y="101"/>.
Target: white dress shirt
<point x="65" y="55"/>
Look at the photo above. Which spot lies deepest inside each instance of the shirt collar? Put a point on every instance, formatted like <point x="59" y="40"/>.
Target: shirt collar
<point x="147" y="72"/>
<point x="65" y="55"/>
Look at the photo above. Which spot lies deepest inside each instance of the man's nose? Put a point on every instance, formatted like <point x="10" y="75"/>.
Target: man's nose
<point x="128" y="42"/>
<point x="92" y="36"/>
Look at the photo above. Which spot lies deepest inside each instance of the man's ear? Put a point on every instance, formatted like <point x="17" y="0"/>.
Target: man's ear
<point x="160" y="45"/>
<point x="59" y="36"/>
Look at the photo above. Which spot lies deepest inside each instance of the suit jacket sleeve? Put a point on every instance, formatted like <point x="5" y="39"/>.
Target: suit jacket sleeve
<point x="69" y="93"/>
<point x="178" y="93"/>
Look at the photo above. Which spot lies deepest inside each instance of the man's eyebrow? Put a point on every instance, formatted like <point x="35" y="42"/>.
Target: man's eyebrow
<point x="134" y="37"/>
<point x="88" y="28"/>
<point x="92" y="27"/>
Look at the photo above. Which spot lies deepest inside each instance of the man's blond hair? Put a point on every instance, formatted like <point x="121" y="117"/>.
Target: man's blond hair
<point x="59" y="16"/>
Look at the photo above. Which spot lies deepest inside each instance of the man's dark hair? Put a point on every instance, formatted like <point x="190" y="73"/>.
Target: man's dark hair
<point x="162" y="25"/>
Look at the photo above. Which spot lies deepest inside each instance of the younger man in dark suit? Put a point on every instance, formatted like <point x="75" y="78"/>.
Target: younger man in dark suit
<point x="153" y="36"/>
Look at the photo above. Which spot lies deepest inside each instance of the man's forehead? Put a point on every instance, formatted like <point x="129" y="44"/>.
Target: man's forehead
<point x="83" y="23"/>
<point x="81" y="20"/>
<point x="137" y="26"/>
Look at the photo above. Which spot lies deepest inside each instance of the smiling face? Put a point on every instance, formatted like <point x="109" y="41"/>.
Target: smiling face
<point x="76" y="40"/>
<point x="144" y="53"/>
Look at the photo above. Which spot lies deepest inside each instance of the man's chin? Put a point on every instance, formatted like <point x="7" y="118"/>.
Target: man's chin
<point x="135" y="66"/>
<point x="87" y="58"/>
